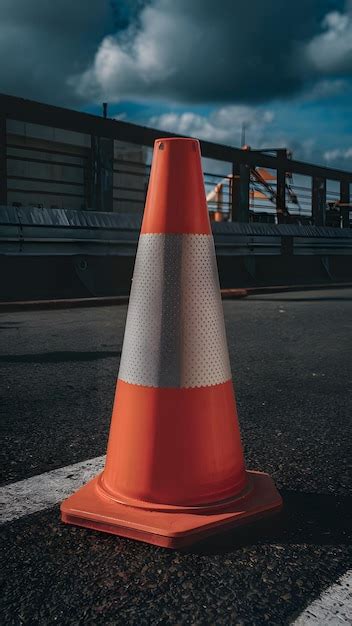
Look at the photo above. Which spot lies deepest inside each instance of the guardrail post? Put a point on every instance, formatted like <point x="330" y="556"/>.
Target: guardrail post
<point x="101" y="174"/>
<point x="240" y="192"/>
<point x="287" y="245"/>
<point x="345" y="199"/>
<point x="3" y="161"/>
<point x="281" y="194"/>
<point x="318" y="201"/>
<point x="235" y="189"/>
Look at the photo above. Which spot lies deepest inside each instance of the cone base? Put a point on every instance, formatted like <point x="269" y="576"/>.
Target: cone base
<point x="90" y="509"/>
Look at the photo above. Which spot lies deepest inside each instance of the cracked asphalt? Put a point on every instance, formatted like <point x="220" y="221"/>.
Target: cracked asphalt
<point x="292" y="370"/>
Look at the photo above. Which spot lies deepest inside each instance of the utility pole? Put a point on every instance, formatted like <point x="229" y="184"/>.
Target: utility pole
<point x="243" y="134"/>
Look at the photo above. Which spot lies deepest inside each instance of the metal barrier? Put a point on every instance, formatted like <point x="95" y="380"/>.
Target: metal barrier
<point x="67" y="253"/>
<point x="52" y="157"/>
<point x="34" y="231"/>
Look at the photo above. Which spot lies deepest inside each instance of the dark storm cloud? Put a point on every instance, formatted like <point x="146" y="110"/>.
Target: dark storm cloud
<point x="42" y="42"/>
<point x="225" y="51"/>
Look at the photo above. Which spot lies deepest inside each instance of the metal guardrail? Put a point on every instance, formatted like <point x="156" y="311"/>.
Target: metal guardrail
<point x="92" y="175"/>
<point x="55" y="232"/>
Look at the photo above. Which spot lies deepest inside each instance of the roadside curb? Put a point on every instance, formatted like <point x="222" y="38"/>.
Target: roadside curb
<point x="62" y="303"/>
<point x="226" y="294"/>
<point x="70" y="303"/>
<point x="305" y="287"/>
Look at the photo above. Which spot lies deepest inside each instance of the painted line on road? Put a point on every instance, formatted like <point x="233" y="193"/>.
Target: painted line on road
<point x="43" y="491"/>
<point x="333" y="607"/>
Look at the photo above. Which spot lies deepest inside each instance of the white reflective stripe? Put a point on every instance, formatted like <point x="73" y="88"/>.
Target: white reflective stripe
<point x="175" y="334"/>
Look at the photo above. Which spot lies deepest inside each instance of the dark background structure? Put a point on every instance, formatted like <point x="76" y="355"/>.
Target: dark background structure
<point x="72" y="191"/>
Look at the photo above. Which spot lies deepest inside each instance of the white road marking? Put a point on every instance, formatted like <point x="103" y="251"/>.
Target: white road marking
<point x="43" y="491"/>
<point x="332" y="608"/>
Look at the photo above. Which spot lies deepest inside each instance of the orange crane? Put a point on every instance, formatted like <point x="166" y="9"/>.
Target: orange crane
<point x="262" y="189"/>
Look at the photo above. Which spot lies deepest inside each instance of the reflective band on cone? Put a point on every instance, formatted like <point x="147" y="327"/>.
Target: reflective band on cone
<point x="175" y="334"/>
<point x="174" y="470"/>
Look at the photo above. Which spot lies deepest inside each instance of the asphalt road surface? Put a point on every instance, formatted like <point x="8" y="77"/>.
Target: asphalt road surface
<point x="291" y="363"/>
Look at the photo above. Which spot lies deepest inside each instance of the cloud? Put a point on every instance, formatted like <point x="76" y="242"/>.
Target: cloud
<point x="184" y="51"/>
<point x="43" y="42"/>
<point x="338" y="154"/>
<point x="327" y="89"/>
<point x="200" y="51"/>
<point x="223" y="125"/>
<point x="330" y="52"/>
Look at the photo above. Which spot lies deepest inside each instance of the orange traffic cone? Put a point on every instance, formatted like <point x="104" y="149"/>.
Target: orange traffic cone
<point x="174" y="471"/>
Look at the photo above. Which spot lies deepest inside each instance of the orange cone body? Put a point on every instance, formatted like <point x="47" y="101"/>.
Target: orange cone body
<point x="174" y="470"/>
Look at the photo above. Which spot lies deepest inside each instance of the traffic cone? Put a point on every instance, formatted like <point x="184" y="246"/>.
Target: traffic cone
<point x="174" y="470"/>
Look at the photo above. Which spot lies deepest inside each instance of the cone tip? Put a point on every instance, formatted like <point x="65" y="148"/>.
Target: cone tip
<point x="177" y="142"/>
<point x="176" y="200"/>
<point x="180" y="139"/>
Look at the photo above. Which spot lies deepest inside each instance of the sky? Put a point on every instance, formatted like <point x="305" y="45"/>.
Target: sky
<point x="195" y="67"/>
